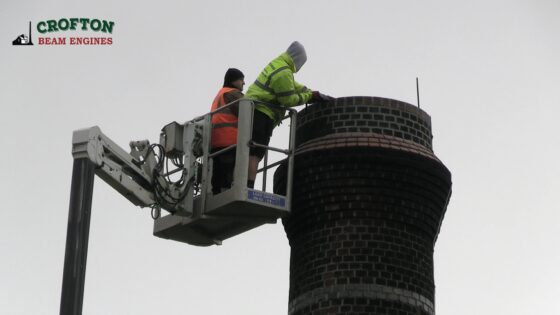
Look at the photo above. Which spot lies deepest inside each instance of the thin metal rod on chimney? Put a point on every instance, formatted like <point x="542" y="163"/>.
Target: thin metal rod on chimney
<point x="417" y="93"/>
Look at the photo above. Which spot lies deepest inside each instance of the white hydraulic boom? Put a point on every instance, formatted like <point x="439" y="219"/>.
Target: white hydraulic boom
<point x="196" y="216"/>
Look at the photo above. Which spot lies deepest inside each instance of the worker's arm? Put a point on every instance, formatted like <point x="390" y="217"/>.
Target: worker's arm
<point x="300" y="87"/>
<point x="231" y="97"/>
<point x="288" y="92"/>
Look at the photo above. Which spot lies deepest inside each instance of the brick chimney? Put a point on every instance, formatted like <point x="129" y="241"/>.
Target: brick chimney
<point x="369" y="196"/>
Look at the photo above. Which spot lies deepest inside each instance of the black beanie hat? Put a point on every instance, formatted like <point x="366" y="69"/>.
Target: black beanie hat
<point x="232" y="74"/>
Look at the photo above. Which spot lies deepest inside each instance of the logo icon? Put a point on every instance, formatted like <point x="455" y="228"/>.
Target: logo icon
<point x="23" y="40"/>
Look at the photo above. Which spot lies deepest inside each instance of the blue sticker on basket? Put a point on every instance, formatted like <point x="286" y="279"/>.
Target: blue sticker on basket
<point x="266" y="198"/>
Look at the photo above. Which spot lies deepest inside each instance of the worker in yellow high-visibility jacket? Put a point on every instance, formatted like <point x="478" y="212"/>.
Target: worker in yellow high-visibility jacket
<point x="276" y="86"/>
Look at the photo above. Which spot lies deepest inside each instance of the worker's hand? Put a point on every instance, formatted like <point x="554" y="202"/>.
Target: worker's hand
<point x="314" y="97"/>
<point x="317" y="97"/>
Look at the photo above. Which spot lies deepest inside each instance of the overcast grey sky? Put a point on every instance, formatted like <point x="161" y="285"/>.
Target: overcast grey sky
<point x="489" y="76"/>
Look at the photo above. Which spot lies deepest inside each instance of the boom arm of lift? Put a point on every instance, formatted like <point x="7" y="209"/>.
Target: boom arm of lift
<point x="139" y="175"/>
<point x="123" y="171"/>
<point x="197" y="216"/>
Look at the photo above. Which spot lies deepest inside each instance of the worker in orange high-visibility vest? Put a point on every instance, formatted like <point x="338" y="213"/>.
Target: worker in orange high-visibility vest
<point x="224" y="129"/>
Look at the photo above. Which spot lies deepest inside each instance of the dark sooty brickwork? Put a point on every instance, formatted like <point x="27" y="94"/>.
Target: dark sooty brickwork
<point x="369" y="197"/>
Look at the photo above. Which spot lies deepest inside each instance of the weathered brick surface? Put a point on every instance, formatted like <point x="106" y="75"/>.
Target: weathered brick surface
<point x="367" y="208"/>
<point x="373" y="115"/>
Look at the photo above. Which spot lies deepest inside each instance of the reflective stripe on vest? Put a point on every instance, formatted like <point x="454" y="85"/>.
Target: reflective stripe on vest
<point x="224" y="123"/>
<point x="266" y="87"/>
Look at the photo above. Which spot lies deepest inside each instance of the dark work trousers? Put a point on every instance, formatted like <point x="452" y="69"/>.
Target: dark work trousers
<point x="222" y="174"/>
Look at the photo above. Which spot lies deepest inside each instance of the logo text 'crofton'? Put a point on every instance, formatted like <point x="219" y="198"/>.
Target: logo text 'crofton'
<point x="84" y="24"/>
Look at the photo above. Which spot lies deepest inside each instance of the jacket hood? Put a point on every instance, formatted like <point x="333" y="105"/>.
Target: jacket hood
<point x="297" y="52"/>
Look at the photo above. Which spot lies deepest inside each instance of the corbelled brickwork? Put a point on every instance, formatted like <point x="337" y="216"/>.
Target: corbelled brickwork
<point x="369" y="197"/>
<point x="373" y="115"/>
